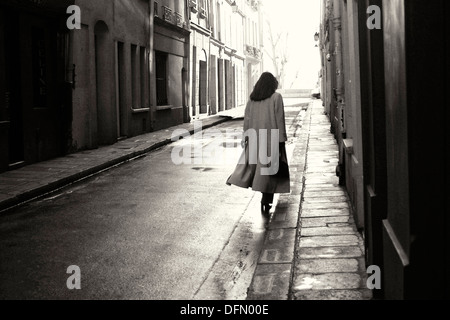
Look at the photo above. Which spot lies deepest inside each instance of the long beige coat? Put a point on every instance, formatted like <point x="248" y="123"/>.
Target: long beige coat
<point x="267" y="114"/>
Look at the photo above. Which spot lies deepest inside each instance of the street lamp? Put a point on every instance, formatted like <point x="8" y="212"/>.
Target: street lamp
<point x="234" y="6"/>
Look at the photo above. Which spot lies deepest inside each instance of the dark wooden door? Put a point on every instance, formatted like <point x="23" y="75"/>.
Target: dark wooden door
<point x="374" y="137"/>
<point x="415" y="234"/>
<point x="404" y="80"/>
<point x="41" y="76"/>
<point x="203" y="87"/>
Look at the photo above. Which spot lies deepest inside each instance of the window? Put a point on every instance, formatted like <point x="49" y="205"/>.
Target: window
<point x="156" y="13"/>
<point x="143" y="72"/>
<point x="202" y="11"/>
<point x="219" y="22"/>
<point x="135" y="100"/>
<point x="193" y="5"/>
<point x="161" y="78"/>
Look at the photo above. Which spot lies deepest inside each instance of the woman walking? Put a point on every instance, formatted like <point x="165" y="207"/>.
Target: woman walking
<point x="264" y="116"/>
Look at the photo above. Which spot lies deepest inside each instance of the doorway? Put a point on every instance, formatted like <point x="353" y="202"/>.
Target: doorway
<point x="104" y="65"/>
<point x="203" y="83"/>
<point x="121" y="92"/>
<point x="35" y="98"/>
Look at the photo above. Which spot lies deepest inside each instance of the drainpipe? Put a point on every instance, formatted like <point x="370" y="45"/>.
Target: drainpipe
<point x="151" y="64"/>
<point x="339" y="90"/>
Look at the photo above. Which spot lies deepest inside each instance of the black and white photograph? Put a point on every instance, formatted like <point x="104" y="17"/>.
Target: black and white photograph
<point x="239" y="158"/>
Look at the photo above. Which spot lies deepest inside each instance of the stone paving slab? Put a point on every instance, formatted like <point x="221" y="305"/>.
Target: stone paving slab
<point x="319" y="174"/>
<point x="315" y="266"/>
<point x="329" y="241"/>
<point x="327" y="231"/>
<point x="328" y="281"/>
<point x="315" y="213"/>
<point x="322" y="142"/>
<point x="325" y="180"/>
<point x="297" y="189"/>
<point x="325" y="222"/>
<point x="324" y="162"/>
<point x="285" y="218"/>
<point x="325" y="199"/>
<point x="270" y="282"/>
<point x="323" y="188"/>
<point x="326" y="171"/>
<point x="363" y="294"/>
<point x="320" y="155"/>
<point x="324" y="205"/>
<point x="311" y="194"/>
<point x="322" y="167"/>
<point x="326" y="150"/>
<point x="330" y="252"/>
<point x="279" y="246"/>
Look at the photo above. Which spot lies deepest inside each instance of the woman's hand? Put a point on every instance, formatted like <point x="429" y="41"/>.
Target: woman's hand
<point x="244" y="142"/>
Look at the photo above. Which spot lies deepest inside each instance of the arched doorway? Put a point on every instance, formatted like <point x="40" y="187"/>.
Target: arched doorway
<point x="104" y="80"/>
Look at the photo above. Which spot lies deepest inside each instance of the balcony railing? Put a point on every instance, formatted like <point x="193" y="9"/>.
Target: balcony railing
<point x="193" y="5"/>
<point x="202" y="14"/>
<point x="253" y="4"/>
<point x="179" y="20"/>
<point x="167" y="14"/>
<point x="252" y="51"/>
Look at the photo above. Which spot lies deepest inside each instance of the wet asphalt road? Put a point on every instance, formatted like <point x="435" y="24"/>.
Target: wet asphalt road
<point x="147" y="229"/>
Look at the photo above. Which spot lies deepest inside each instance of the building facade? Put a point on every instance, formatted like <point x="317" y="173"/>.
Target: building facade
<point x="130" y="67"/>
<point x="225" y="54"/>
<point x="65" y="89"/>
<point x="136" y="53"/>
<point x="109" y="55"/>
<point x="384" y="72"/>
<point x="170" y="63"/>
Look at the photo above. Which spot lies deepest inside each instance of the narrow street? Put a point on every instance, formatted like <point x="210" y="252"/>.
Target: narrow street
<point x="121" y="121"/>
<point x="148" y="229"/>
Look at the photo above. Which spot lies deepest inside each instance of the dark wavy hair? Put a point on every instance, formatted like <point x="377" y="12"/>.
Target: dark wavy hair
<point x="265" y="87"/>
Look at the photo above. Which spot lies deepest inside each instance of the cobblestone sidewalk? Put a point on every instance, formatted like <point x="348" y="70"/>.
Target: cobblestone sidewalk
<point x="330" y="251"/>
<point x="312" y="249"/>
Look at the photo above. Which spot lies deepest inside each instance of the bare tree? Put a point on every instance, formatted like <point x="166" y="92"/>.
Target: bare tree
<point x="295" y="79"/>
<point x="278" y="53"/>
